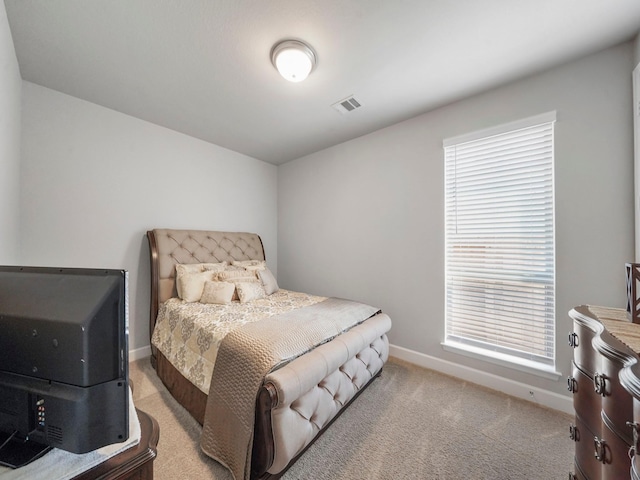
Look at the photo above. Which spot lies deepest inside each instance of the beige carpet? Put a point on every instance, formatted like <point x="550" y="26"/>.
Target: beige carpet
<point x="411" y="423"/>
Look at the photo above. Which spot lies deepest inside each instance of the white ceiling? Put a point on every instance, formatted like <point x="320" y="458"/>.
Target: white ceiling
<point x="202" y="67"/>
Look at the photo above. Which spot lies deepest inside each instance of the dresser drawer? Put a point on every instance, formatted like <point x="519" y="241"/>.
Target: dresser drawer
<point x="579" y="474"/>
<point x="580" y="339"/>
<point x="603" y="456"/>
<point x="586" y="402"/>
<point x="616" y="463"/>
<point x="587" y="465"/>
<point x="617" y="404"/>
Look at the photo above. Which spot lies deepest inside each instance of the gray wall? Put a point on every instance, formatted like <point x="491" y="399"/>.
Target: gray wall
<point x="94" y="180"/>
<point x="364" y="219"/>
<point x="10" y="87"/>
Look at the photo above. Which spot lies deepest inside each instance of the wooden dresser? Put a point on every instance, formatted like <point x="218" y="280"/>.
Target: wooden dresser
<point x="605" y="383"/>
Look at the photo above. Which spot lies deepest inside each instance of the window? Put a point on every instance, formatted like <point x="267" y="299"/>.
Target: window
<point x="499" y="242"/>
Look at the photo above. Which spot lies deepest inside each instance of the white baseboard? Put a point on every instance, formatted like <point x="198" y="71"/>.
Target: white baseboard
<point x="139" y="353"/>
<point x="510" y="387"/>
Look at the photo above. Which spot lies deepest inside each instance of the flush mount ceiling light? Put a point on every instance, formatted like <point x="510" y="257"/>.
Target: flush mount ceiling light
<point x="293" y="59"/>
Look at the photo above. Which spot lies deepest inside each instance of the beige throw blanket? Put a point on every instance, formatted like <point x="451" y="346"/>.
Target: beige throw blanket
<point x="247" y="355"/>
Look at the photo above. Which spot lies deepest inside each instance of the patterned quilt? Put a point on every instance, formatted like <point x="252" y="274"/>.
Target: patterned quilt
<point x="189" y="334"/>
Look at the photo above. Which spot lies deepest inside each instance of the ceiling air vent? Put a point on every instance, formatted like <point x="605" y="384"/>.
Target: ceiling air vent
<point x="347" y="105"/>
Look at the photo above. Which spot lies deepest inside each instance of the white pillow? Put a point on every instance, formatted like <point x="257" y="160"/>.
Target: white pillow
<point x="217" y="292"/>
<point x="190" y="285"/>
<point x="269" y="281"/>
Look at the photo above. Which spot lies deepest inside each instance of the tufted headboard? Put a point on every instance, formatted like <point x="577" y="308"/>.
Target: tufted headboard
<point x="169" y="247"/>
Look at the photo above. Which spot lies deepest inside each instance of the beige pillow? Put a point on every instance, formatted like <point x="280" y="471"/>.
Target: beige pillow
<point x="249" y="291"/>
<point x="236" y="275"/>
<point x="184" y="268"/>
<point x="252" y="265"/>
<point x="269" y="281"/>
<point x="189" y="268"/>
<point x="190" y="285"/>
<point x="217" y="292"/>
<point x="214" y="267"/>
<point x="234" y="268"/>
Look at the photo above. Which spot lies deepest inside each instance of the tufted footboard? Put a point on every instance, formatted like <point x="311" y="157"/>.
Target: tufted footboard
<point x="308" y="393"/>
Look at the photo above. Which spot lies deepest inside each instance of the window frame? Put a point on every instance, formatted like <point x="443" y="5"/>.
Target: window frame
<point x="497" y="355"/>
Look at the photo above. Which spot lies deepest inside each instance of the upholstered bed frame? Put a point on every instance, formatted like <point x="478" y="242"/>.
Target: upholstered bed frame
<point x="297" y="402"/>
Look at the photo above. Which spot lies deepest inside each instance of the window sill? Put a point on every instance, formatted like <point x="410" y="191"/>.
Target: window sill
<point x="527" y="366"/>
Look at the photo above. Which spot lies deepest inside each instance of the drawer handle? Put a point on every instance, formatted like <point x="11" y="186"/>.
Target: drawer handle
<point x="573" y="432"/>
<point x="572" y="384"/>
<point x="600" y="449"/>
<point x="573" y="340"/>
<point x="600" y="384"/>
<point x="636" y="432"/>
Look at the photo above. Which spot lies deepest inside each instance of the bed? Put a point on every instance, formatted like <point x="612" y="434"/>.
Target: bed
<point x="273" y="390"/>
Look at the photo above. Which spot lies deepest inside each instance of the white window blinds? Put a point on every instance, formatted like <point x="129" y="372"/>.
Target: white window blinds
<point x="499" y="240"/>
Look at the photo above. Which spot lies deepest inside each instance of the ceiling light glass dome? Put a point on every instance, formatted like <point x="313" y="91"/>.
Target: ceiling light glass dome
<point x="294" y="59"/>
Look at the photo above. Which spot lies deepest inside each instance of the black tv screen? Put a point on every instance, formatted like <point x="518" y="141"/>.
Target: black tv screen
<point x="63" y="360"/>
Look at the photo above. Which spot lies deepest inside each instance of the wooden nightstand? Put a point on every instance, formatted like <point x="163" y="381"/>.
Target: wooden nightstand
<point x="136" y="463"/>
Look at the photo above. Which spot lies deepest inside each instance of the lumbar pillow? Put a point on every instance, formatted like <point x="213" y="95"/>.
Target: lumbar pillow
<point x="214" y="267"/>
<point x="182" y="268"/>
<point x="253" y="265"/>
<point x="217" y="292"/>
<point x="269" y="281"/>
<point x="236" y="275"/>
<point x="248" y="291"/>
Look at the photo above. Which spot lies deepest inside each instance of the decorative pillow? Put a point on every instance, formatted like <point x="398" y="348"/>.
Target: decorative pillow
<point x="190" y="285"/>
<point x="189" y="268"/>
<point x="254" y="265"/>
<point x="236" y="275"/>
<point x="268" y="281"/>
<point x="217" y="292"/>
<point x="214" y="267"/>
<point x="248" y="291"/>
<point x="234" y="268"/>
<point x="185" y="268"/>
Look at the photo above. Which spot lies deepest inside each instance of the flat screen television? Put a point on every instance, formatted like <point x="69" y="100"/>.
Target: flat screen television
<point x="64" y="376"/>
